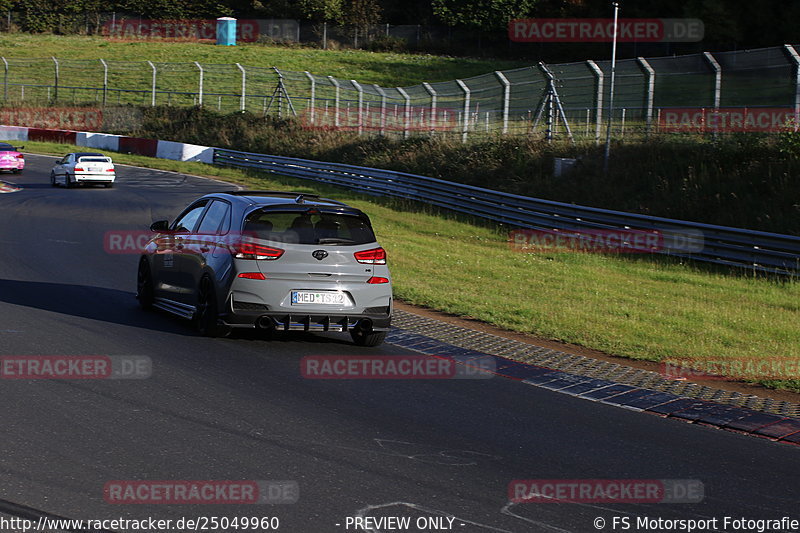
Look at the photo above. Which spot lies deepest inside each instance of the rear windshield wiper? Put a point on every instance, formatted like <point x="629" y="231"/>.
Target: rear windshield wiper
<point x="335" y="240"/>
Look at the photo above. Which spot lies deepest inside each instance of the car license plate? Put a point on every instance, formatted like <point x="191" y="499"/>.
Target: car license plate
<point x="318" y="298"/>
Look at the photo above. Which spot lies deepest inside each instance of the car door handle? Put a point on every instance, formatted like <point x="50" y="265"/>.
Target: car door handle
<point x="320" y="274"/>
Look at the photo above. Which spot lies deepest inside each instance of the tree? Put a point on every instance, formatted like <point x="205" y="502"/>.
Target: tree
<point x="485" y="15"/>
<point x="323" y="10"/>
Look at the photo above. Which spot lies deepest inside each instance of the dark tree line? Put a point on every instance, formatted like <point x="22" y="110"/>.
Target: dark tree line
<point x="739" y="23"/>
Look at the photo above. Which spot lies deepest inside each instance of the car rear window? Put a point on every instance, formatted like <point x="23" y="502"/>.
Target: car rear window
<point x="6" y="148"/>
<point x="94" y="159"/>
<point x="299" y="227"/>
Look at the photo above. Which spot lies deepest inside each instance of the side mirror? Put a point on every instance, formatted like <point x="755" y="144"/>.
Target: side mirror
<point x="160" y="226"/>
<point x="58" y="161"/>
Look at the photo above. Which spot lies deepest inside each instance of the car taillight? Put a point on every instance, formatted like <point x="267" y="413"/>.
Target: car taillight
<point x="250" y="250"/>
<point x="376" y="256"/>
<point x="374" y="280"/>
<point x="253" y="275"/>
<point x="78" y="169"/>
<point x="109" y="170"/>
<point x="20" y="156"/>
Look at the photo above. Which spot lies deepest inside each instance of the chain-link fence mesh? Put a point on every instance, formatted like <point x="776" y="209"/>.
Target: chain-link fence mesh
<point x="550" y="100"/>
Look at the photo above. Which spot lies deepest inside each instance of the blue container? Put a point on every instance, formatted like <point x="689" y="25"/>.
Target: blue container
<point x="226" y="31"/>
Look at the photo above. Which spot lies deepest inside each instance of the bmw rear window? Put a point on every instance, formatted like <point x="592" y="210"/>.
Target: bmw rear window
<point x="300" y="227"/>
<point x="94" y="159"/>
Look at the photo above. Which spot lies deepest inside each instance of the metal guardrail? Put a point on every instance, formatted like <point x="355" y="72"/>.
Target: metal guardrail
<point x="755" y="250"/>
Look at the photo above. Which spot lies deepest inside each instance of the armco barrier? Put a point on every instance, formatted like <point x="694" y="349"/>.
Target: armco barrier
<point x="755" y="250"/>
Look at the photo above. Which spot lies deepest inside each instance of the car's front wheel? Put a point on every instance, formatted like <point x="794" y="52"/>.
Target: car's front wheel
<point x="206" y="317"/>
<point x="52" y="179"/>
<point x="144" y="286"/>
<point x="372" y="338"/>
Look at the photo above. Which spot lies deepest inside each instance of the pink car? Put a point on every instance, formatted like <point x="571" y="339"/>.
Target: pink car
<point x="11" y="159"/>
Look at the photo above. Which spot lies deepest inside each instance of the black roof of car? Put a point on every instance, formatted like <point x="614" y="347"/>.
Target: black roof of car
<point x="7" y="147"/>
<point x="283" y="198"/>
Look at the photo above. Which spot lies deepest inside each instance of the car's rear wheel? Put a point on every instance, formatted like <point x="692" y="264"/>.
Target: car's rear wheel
<point x="67" y="182"/>
<point x="206" y="317"/>
<point x="372" y="338"/>
<point x="144" y="286"/>
<point x="109" y="185"/>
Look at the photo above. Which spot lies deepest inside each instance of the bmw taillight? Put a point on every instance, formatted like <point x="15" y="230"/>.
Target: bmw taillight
<point x="78" y="169"/>
<point x="109" y="170"/>
<point x="376" y="256"/>
<point x="251" y="250"/>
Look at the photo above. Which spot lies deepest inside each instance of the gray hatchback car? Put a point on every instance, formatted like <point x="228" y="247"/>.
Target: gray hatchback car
<point x="270" y="260"/>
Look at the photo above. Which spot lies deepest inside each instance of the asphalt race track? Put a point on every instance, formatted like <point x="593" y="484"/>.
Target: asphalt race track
<point x="239" y="409"/>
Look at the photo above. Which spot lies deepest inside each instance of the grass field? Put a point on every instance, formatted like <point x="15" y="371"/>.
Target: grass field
<point x="643" y="308"/>
<point x="386" y="69"/>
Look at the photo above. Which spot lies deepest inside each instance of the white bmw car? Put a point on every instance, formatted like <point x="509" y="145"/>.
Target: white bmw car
<point x="83" y="167"/>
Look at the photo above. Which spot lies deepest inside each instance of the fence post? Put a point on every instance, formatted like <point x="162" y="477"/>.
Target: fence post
<point x="5" y="79"/>
<point x="381" y="92"/>
<point x="105" y="81"/>
<point x="717" y="78"/>
<point x="312" y="101"/>
<point x="795" y="59"/>
<point x="153" y="92"/>
<point x="335" y="83"/>
<point x="465" y="118"/>
<point x="406" y="112"/>
<point x="55" y="87"/>
<point x="506" y="97"/>
<point x="598" y="119"/>
<point x="200" y="85"/>
<point x="432" y="114"/>
<point x="243" y="103"/>
<point x="360" y="106"/>
<point x="649" y="96"/>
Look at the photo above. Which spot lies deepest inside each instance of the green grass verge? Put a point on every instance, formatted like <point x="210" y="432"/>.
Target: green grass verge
<point x="642" y="308"/>
<point x="387" y="69"/>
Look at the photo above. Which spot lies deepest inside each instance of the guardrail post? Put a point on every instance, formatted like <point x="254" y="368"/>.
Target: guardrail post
<point x="381" y="92"/>
<point x="795" y="58"/>
<point x="105" y="81"/>
<point x="598" y="117"/>
<point x="506" y="97"/>
<point x="649" y="96"/>
<point x="243" y="102"/>
<point x="55" y="80"/>
<point x="360" y="106"/>
<point x="335" y="83"/>
<point x="5" y="79"/>
<point x="432" y="120"/>
<point x="312" y="101"/>
<point x="406" y="112"/>
<point x="717" y="78"/>
<point x="200" y="85"/>
<point x="465" y="118"/>
<point x="153" y="91"/>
